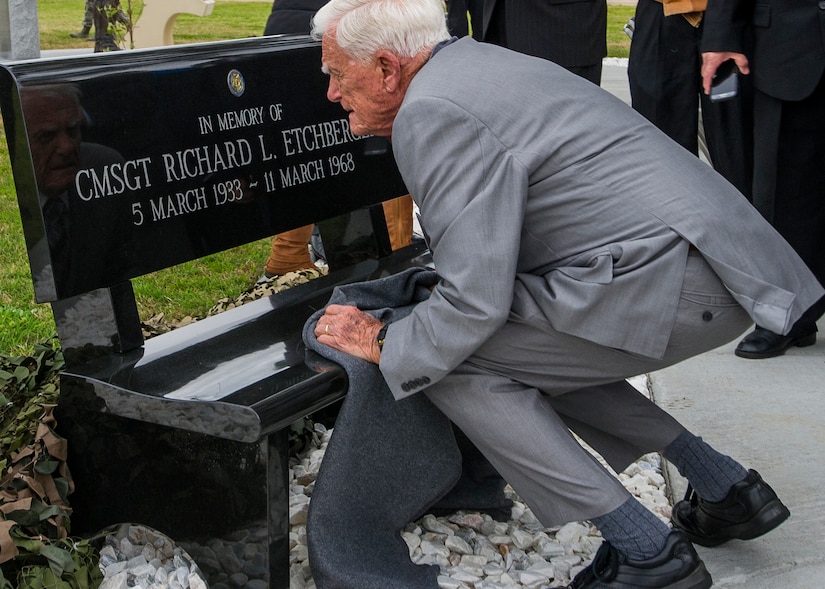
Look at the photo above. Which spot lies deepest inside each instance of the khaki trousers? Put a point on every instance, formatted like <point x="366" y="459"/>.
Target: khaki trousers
<point x="289" y="250"/>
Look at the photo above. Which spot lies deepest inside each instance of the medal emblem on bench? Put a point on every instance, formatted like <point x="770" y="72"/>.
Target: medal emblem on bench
<point x="236" y="83"/>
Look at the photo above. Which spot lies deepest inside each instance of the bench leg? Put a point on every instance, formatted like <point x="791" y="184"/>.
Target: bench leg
<point x="226" y="503"/>
<point x="278" y="489"/>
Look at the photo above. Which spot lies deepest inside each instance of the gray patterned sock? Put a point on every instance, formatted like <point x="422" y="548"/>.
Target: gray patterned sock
<point x="633" y="530"/>
<point x="710" y="473"/>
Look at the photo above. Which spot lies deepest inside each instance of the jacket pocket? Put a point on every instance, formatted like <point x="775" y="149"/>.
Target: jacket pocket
<point x="762" y="15"/>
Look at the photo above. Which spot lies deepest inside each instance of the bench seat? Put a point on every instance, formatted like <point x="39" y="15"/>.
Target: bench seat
<point x="244" y="368"/>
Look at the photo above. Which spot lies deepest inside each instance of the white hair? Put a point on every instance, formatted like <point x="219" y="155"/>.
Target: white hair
<point x="362" y="27"/>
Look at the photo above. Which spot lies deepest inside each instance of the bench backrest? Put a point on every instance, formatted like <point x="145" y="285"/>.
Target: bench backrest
<point x="151" y="158"/>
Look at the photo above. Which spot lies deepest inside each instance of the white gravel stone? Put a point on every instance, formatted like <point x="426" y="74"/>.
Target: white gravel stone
<point x="434" y="547"/>
<point x="117" y="581"/>
<point x="457" y="545"/>
<point x="432" y="524"/>
<point x="445" y="582"/>
<point x="521" y="539"/>
<point x="413" y="541"/>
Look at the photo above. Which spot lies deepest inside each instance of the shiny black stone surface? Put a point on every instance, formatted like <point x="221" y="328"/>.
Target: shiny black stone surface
<point x="200" y="490"/>
<point x="179" y="152"/>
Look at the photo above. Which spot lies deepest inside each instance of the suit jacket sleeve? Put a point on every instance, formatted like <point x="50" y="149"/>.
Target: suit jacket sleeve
<point x="471" y="194"/>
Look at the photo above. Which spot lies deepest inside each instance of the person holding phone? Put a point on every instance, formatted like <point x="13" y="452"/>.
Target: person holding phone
<point x="787" y="65"/>
<point x="725" y="83"/>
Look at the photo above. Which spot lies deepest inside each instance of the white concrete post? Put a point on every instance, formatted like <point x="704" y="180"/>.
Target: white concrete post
<point x="154" y="27"/>
<point x="19" y="32"/>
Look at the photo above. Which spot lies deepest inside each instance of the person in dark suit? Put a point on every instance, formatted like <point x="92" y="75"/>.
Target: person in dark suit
<point x="464" y="17"/>
<point x="600" y="249"/>
<point x="664" y="76"/>
<point x="291" y="16"/>
<point x="572" y="34"/>
<point x="788" y="65"/>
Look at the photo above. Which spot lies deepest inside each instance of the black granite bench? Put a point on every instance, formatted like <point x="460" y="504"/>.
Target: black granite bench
<point x="179" y="153"/>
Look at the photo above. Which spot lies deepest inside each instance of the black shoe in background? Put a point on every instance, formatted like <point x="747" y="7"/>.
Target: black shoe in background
<point x="761" y="343"/>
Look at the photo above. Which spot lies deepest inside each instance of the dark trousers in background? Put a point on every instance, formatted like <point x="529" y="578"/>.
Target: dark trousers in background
<point x="789" y="184"/>
<point x="664" y="71"/>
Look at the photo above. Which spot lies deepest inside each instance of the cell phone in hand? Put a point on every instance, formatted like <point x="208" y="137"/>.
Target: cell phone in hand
<point x="725" y="83"/>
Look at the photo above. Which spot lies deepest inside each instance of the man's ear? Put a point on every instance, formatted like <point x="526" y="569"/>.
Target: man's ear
<point x="390" y="67"/>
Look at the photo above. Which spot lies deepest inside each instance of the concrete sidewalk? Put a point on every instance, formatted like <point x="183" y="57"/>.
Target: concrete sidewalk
<point x="769" y="415"/>
<point x="614" y="77"/>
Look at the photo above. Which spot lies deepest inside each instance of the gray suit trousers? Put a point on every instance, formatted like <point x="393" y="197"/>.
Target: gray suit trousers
<point x="520" y="394"/>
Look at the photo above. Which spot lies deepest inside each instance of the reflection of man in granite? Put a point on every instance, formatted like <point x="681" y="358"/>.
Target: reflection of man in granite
<point x="54" y="122"/>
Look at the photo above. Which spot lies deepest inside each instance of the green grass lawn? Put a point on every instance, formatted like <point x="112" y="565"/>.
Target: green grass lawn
<point x="229" y="20"/>
<point x="618" y="43"/>
<point x="190" y="289"/>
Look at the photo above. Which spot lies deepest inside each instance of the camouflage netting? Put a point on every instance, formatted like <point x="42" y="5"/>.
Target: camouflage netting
<point x="35" y="548"/>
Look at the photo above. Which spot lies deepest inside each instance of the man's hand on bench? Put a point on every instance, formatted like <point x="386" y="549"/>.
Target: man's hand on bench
<point x="350" y="330"/>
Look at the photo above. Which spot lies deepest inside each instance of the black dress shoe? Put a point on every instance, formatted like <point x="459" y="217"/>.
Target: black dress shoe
<point x="761" y="343"/>
<point x="677" y="566"/>
<point x="750" y="510"/>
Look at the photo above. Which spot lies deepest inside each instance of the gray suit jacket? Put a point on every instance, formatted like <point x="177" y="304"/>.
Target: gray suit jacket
<point x="532" y="182"/>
